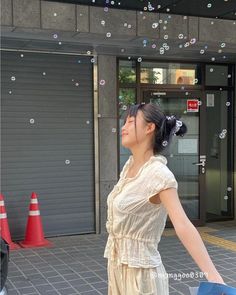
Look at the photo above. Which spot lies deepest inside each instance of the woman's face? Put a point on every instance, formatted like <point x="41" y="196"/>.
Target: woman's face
<point x="128" y="131"/>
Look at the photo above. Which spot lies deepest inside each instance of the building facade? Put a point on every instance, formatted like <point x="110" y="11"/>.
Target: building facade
<point x="68" y="74"/>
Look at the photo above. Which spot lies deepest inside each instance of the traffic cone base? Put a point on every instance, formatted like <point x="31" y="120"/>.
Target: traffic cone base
<point x="43" y="243"/>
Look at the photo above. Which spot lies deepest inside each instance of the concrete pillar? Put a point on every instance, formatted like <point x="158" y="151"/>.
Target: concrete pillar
<point x="108" y="127"/>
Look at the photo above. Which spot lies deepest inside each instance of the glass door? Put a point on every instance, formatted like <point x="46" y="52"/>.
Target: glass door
<point x="219" y="151"/>
<point x="186" y="156"/>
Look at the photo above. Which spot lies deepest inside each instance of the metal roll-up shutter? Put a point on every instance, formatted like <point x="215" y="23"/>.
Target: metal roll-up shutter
<point x="47" y="141"/>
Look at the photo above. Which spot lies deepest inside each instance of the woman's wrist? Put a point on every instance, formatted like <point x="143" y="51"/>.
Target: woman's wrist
<point x="215" y="279"/>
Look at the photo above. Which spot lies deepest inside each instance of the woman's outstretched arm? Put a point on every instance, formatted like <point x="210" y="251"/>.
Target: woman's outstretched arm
<point x="188" y="234"/>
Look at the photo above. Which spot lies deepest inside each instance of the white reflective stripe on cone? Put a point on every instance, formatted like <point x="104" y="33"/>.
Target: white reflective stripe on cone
<point x="3" y="215"/>
<point x="34" y="201"/>
<point x="1" y="203"/>
<point x="34" y="213"/>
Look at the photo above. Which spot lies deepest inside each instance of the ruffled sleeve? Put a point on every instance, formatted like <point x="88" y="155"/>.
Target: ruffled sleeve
<point x="161" y="179"/>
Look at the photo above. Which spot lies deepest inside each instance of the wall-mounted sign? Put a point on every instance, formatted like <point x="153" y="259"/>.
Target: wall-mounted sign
<point x="192" y="105"/>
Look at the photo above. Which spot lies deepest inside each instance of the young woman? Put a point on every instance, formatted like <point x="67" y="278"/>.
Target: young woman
<point x="138" y="206"/>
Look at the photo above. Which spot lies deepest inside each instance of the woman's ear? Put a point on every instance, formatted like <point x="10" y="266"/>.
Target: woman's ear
<point x="150" y="127"/>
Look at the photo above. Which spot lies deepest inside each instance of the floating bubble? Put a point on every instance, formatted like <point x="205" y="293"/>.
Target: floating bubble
<point x="220" y="50"/>
<point x="229" y="188"/>
<point x="67" y="162"/>
<point x="129" y="57"/>
<point x="209" y="5"/>
<point x="185" y="17"/>
<point x="129" y="26"/>
<point x="106" y="9"/>
<point x="145" y="42"/>
<point x="160" y="21"/>
<point x="202" y="51"/>
<point x="182" y="87"/>
<point x="108" y="34"/>
<point x="186" y="93"/>
<point x="229" y="76"/>
<point x="44" y="73"/>
<point x="10" y="92"/>
<point x="55" y="14"/>
<point x="193" y="41"/>
<point x="59" y="42"/>
<point x="199" y="102"/>
<point x="186" y="44"/>
<point x="224" y="131"/>
<point x="31" y="121"/>
<point x="139" y="59"/>
<point x="165" y="143"/>
<point x="222" y="45"/>
<point x="228" y="103"/>
<point x="92" y="60"/>
<point x="87" y="122"/>
<point x="13" y="78"/>
<point x="158" y="6"/>
<point x="55" y="36"/>
<point x="154" y="46"/>
<point x="125" y="24"/>
<point x="181" y="36"/>
<point x="171" y="155"/>
<point x="213" y="59"/>
<point x="102" y="82"/>
<point x="222" y="135"/>
<point x="154" y="25"/>
<point x="164" y="28"/>
<point x="168" y="9"/>
<point x="113" y="130"/>
<point x="226" y="197"/>
<point x="76" y="84"/>
<point x="122" y="50"/>
<point x="180" y="45"/>
<point x="22" y="55"/>
<point x="112" y="2"/>
<point x="212" y="23"/>
<point x="165" y="37"/>
<point x="124" y="107"/>
<point x="103" y="22"/>
<point x="211" y="70"/>
<point x="167" y="47"/>
<point x="195" y="81"/>
<point x="224" y="57"/>
<point x="165" y="22"/>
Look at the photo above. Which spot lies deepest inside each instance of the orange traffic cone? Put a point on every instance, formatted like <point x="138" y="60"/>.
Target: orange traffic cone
<point x="34" y="236"/>
<point x="4" y="229"/>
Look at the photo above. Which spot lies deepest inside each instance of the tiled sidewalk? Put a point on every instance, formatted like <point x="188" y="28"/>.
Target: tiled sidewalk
<point x="75" y="265"/>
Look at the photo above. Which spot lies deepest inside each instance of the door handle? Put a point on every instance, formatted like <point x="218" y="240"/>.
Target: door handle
<point x="200" y="164"/>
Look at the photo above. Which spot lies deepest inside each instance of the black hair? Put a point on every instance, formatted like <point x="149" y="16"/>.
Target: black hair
<point x="165" y="125"/>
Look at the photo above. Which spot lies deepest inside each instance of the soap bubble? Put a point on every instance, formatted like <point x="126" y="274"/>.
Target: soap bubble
<point x="195" y="81"/>
<point x="92" y="60"/>
<point x="55" y="14"/>
<point x="209" y="5"/>
<point x="67" y="162"/>
<point x="13" y="78"/>
<point x="213" y="59"/>
<point x="102" y="82"/>
<point x="226" y="197"/>
<point x="88" y="52"/>
<point x="139" y="59"/>
<point x="124" y="107"/>
<point x="103" y="22"/>
<point x="193" y="40"/>
<point x="108" y="34"/>
<point x="154" y="46"/>
<point x="44" y="73"/>
<point x="31" y="121"/>
<point x="165" y="143"/>
<point x="113" y="130"/>
<point x="222" y="45"/>
<point x="202" y="51"/>
<point x="211" y="70"/>
<point x="181" y="36"/>
<point x="22" y="55"/>
<point x="165" y="37"/>
<point x="76" y="84"/>
<point x="154" y="25"/>
<point x="229" y="189"/>
<point x="87" y="122"/>
<point x="228" y="103"/>
<point x="55" y="36"/>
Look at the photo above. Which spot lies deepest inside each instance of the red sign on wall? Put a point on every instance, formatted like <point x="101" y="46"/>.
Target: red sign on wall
<point x="192" y="105"/>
